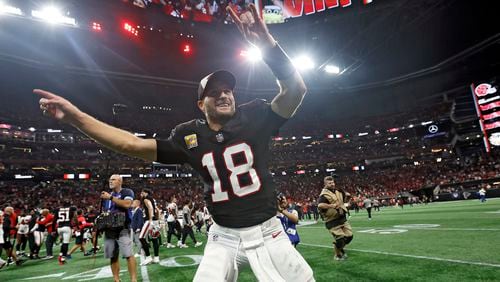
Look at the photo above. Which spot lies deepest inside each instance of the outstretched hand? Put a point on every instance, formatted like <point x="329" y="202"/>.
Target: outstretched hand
<point x="252" y="27"/>
<point x="56" y="106"/>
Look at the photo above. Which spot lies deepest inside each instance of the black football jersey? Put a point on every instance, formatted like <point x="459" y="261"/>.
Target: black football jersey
<point x="65" y="216"/>
<point x="233" y="163"/>
<point x="146" y="210"/>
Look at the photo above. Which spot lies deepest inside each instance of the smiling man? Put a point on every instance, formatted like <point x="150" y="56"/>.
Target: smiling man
<point x="230" y="150"/>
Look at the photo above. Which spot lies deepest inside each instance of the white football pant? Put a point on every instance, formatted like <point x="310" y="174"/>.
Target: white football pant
<point x="265" y="247"/>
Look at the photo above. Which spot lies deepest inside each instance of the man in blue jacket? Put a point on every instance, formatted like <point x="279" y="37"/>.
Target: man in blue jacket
<point x="136" y="224"/>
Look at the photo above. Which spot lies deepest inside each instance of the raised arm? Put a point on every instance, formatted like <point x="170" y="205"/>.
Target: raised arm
<point x="292" y="86"/>
<point x="288" y="100"/>
<point x="149" y="206"/>
<point x="114" y="138"/>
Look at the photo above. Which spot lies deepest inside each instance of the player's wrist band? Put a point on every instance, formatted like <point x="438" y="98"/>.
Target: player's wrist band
<point x="279" y="62"/>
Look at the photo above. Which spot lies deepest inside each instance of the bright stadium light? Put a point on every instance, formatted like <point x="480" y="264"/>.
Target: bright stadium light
<point x="187" y="49"/>
<point x="253" y="54"/>
<point x="332" y="69"/>
<point x="52" y="15"/>
<point x="130" y="29"/>
<point x="303" y="63"/>
<point x="5" y="9"/>
<point x="49" y="14"/>
<point x="96" y="26"/>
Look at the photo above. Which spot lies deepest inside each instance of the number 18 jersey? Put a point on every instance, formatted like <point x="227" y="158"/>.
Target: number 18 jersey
<point x="233" y="163"/>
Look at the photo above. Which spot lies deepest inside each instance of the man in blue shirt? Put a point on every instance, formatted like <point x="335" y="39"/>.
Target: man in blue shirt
<point x="289" y="218"/>
<point x="119" y="201"/>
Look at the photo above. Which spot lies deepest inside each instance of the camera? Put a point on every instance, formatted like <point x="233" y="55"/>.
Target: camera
<point x="280" y="196"/>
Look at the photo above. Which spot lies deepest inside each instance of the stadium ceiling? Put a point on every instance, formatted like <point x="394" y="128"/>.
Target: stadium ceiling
<point x="374" y="46"/>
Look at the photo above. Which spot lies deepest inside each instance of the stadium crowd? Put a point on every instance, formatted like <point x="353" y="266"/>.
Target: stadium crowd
<point x="385" y="165"/>
<point x="379" y="183"/>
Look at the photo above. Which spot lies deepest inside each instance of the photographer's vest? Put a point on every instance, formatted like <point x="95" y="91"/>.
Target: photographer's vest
<point x="333" y="217"/>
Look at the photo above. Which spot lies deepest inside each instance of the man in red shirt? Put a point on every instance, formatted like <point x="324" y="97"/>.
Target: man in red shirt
<point x="79" y="231"/>
<point x="48" y="222"/>
<point x="13" y="223"/>
<point x="7" y="245"/>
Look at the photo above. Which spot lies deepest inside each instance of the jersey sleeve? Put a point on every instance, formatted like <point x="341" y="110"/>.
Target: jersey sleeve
<point x="56" y="212"/>
<point x="169" y="151"/>
<point x="127" y="194"/>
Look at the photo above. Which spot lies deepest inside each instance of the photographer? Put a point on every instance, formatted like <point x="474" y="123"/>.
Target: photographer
<point x="289" y="219"/>
<point x="119" y="240"/>
<point x="333" y="211"/>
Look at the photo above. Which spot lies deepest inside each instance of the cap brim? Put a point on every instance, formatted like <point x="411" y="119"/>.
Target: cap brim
<point x="220" y="76"/>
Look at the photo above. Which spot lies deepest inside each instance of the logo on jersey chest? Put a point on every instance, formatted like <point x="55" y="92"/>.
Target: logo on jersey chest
<point x="191" y="141"/>
<point x="220" y="137"/>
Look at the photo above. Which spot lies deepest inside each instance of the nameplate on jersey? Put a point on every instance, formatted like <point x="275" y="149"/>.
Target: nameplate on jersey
<point x="191" y="141"/>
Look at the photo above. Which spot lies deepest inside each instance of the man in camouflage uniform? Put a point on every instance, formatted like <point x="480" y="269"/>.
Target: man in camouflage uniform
<point x="333" y="211"/>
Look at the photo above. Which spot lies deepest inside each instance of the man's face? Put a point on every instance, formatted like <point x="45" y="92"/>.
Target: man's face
<point x="135" y="204"/>
<point x="283" y="202"/>
<point x="115" y="182"/>
<point x="330" y="184"/>
<point x="218" y="104"/>
<point x="144" y="194"/>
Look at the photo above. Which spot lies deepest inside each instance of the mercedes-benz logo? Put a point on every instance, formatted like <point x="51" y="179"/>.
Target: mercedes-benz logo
<point x="433" y="128"/>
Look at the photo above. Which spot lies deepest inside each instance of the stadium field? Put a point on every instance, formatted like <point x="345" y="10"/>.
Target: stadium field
<point x="449" y="241"/>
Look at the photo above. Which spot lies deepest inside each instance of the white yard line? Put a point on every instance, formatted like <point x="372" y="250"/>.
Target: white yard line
<point x="418" y="228"/>
<point x="457" y="229"/>
<point x="144" y="273"/>
<point x="409" y="256"/>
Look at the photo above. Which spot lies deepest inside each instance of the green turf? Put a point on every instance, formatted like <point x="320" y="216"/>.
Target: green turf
<point x="465" y="247"/>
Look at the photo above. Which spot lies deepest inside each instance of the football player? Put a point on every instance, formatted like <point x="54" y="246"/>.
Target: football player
<point x="187" y="228"/>
<point x="172" y="223"/>
<point x="198" y="219"/>
<point x="44" y="224"/>
<point x="22" y="233"/>
<point x="2" y="241"/>
<point x="207" y="218"/>
<point x="7" y="245"/>
<point x="150" y="224"/>
<point x="230" y="150"/>
<point x="32" y="226"/>
<point x="65" y="215"/>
